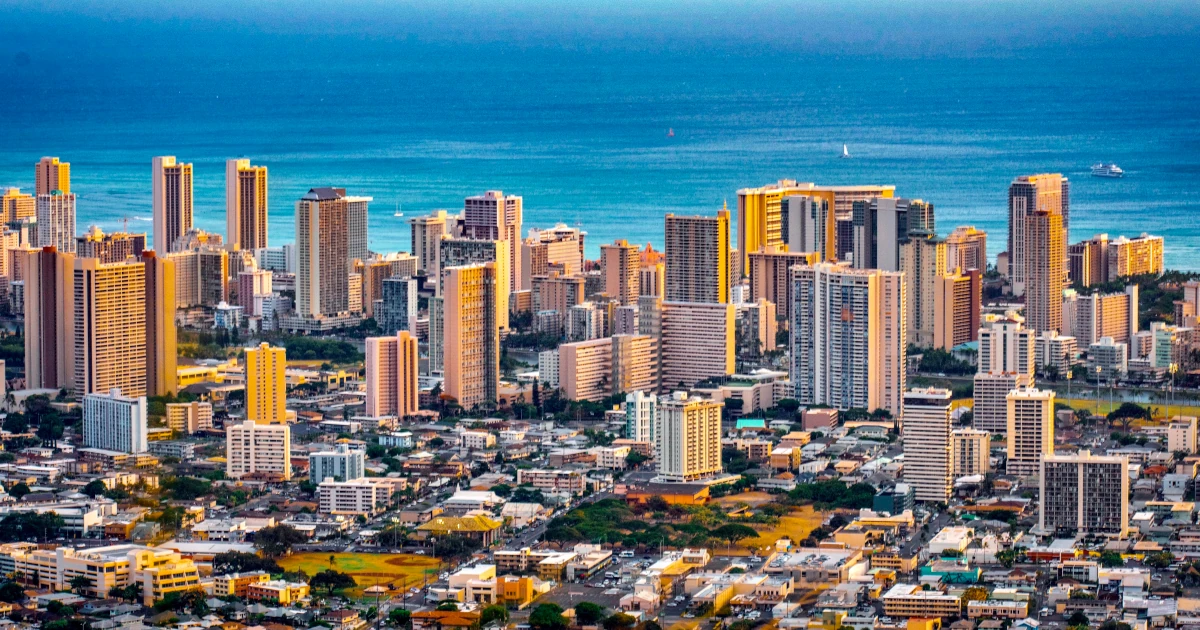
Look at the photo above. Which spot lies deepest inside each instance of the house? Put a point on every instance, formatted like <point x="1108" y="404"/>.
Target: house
<point x="343" y="619"/>
<point x="444" y="619"/>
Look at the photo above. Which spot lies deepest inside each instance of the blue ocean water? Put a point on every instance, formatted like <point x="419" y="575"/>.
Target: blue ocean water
<point x="582" y="134"/>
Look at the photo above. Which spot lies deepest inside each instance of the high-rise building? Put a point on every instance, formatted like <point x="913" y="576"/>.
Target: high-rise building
<point x="245" y="205"/>
<point x="620" y="263"/>
<point x="266" y="384"/>
<point x="926" y="435"/>
<point x="966" y="248"/>
<point x="109" y="327"/>
<point x="698" y="342"/>
<point x="848" y="337"/>
<point x="690" y="436"/>
<point x="427" y="233"/>
<point x="171" y="185"/>
<point x="1006" y="362"/>
<point x="323" y="255"/>
<point x="114" y="422"/>
<point x="641" y="417"/>
<point x="341" y="464"/>
<point x="698" y="258"/>
<point x="461" y="252"/>
<point x="759" y="217"/>
<point x="495" y="216"/>
<point x="49" y="278"/>
<point x="201" y="275"/>
<point x="958" y="300"/>
<point x="1099" y="260"/>
<point x="555" y="292"/>
<point x="1108" y="359"/>
<point x="759" y="327"/>
<point x="160" y="325"/>
<point x="109" y="248"/>
<point x="251" y="285"/>
<point x="1090" y="317"/>
<point x="391" y="368"/>
<point x="262" y="450"/>
<point x="559" y="249"/>
<point x="1084" y="494"/>
<point x="970" y="450"/>
<point x="51" y="174"/>
<point x="923" y="260"/>
<point x="471" y="333"/>
<point x="190" y="417"/>
<point x="56" y="220"/>
<point x="397" y="308"/>
<point x="1045" y="270"/>
<point x="1055" y="354"/>
<point x="801" y="217"/>
<point x="1049" y="194"/>
<point x="881" y="227"/>
<point x="1181" y="435"/>
<point x="16" y="206"/>
<point x="1030" y="429"/>
<point x="771" y="275"/>
<point x="598" y="368"/>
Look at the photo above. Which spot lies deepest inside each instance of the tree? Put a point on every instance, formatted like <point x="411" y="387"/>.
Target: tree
<point x="588" y="614"/>
<point x="1111" y="559"/>
<point x="635" y="459"/>
<point x="29" y="526"/>
<point x="733" y="532"/>
<point x="547" y="617"/>
<point x="242" y="562"/>
<point x="447" y="606"/>
<point x="187" y="488"/>
<point x="1077" y="619"/>
<point x="16" y="423"/>
<point x="455" y="546"/>
<point x="277" y="540"/>
<point x="1160" y="560"/>
<point x="400" y="617"/>
<point x="1006" y="557"/>
<point x="94" y="488"/>
<point x="493" y="613"/>
<point x="331" y="581"/>
<point x="974" y="594"/>
<point x="619" y="621"/>
<point x="12" y="592"/>
<point x="19" y="490"/>
<point x="657" y="504"/>
<point x="80" y="583"/>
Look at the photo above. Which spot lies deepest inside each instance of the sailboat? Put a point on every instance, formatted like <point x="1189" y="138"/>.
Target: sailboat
<point x="398" y="213"/>
<point x="845" y="152"/>
<point x="671" y="132"/>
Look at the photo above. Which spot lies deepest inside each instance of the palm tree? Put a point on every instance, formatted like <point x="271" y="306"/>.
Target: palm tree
<point x="332" y="560"/>
<point x="79" y="583"/>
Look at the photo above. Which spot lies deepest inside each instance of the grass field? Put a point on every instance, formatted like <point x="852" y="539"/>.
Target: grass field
<point x="753" y="499"/>
<point x="796" y="526"/>
<point x="395" y="571"/>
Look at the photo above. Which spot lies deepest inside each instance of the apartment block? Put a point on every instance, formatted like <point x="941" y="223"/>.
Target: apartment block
<point x="464" y="252"/>
<point x="51" y="174"/>
<point x="1030" y="429"/>
<point x="927" y="445"/>
<point x="109" y="327"/>
<point x="340" y="464"/>
<point x="109" y="248"/>
<point x="620" y="263"/>
<point x="471" y="333"/>
<point x="595" y="369"/>
<point x="114" y="422"/>
<point x="1084" y="494"/>
<point x="56" y="220"/>
<point x="266" y="384"/>
<point x="172" y="202"/>
<point x="970" y="449"/>
<point x="958" y="299"/>
<point x="698" y="342"/>
<point x="571" y="481"/>
<point x="697" y="261"/>
<point x="966" y="248"/>
<point x="263" y="450"/>
<point x="1090" y="317"/>
<point x="771" y="275"/>
<point x="1049" y="194"/>
<point x="246" y="205"/>
<point x="362" y="496"/>
<point x="689" y="432"/>
<point x="497" y="217"/>
<point x="391" y="375"/>
<point x="189" y="418"/>
<point x="556" y="250"/>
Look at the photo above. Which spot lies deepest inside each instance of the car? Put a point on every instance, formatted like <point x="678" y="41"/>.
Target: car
<point x="420" y="552"/>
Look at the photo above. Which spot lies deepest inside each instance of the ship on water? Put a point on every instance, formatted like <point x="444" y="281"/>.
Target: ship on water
<point x="1107" y="170"/>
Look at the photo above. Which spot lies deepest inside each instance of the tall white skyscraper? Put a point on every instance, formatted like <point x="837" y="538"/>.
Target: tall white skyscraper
<point x="926" y="434"/>
<point x="114" y="422"/>
<point x="641" y="414"/>
<point x="1030" y="429"/>
<point x="691" y="438"/>
<point x="1006" y="362"/>
<point x="56" y="220"/>
<point x="341" y="464"/>
<point x="171" y="186"/>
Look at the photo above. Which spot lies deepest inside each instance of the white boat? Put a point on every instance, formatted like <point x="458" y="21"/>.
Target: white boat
<point x="1107" y="170"/>
<point x="398" y="213"/>
<point x="845" y="151"/>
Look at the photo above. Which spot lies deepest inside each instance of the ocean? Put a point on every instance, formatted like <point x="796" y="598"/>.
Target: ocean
<point x="582" y="134"/>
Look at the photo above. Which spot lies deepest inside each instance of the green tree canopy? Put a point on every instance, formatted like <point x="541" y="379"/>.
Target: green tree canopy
<point x="277" y="540"/>
<point x="547" y="617"/>
<point x="588" y="614"/>
<point x="331" y="581"/>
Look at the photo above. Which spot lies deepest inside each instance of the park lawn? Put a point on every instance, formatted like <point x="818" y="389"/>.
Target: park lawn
<point x="395" y="571"/>
<point x="797" y="526"/>
<point x="753" y="499"/>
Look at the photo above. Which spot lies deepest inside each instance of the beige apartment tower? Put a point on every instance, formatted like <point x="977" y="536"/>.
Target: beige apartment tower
<point x="1045" y="270"/>
<point x="697" y="264"/>
<point x="958" y="300"/>
<point x="620" y="263"/>
<point x="110" y="327"/>
<point x="595" y="369"/>
<point x="926" y="433"/>
<point x="971" y="450"/>
<point x="392" y="375"/>
<point x="160" y="325"/>
<point x="495" y="216"/>
<point x="52" y="174"/>
<point x="966" y="248"/>
<point x="1030" y="429"/>
<point x="427" y="233"/>
<point x="471" y="334"/>
<point x="16" y="205"/>
<point x="1028" y="195"/>
<point x="923" y="260"/>
<point x="322" y="253"/>
<point x="245" y="205"/>
<point x="56" y="220"/>
<point x="690" y="437"/>
<point x="266" y="385"/>
<point x="771" y="275"/>
<point x="49" y="319"/>
<point x="698" y="342"/>
<point x="262" y="450"/>
<point x="172" y="201"/>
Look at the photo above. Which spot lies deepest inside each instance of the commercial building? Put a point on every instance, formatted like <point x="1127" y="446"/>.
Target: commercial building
<point x="471" y="333"/>
<point x="620" y="263"/>
<point x="341" y="464"/>
<point x="157" y="571"/>
<point x="56" y="220"/>
<point x="690" y="438"/>
<point x="927" y="450"/>
<point x="245" y="205"/>
<point x="279" y="591"/>
<point x="698" y="342"/>
<point x="427" y="233"/>
<point x="495" y="216"/>
<point x="51" y="174"/>
<point x="189" y="417"/>
<point x="237" y="584"/>
<point x="172" y="201"/>
<point x="259" y="449"/>
<point x="1048" y="193"/>
<point x="109" y="248"/>
<point x="1084" y="494"/>
<point x="970" y="450"/>
<point x="697" y="260"/>
<point x="848" y="337"/>
<point x="910" y="600"/>
<point x="958" y="299"/>
<point x="114" y="422"/>
<point x="109" y="322"/>
<point x="266" y="384"/>
<point x="966" y="248"/>
<point x="771" y="275"/>
<point x="391" y="375"/>
<point x="1030" y="429"/>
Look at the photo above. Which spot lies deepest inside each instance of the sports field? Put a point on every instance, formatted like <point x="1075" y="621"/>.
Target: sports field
<point x="797" y="526"/>
<point x="394" y="571"/>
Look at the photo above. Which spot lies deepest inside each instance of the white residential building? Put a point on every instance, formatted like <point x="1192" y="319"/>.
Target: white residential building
<point x="926" y="434"/>
<point x="691" y="438"/>
<point x="264" y="449"/>
<point x="114" y="422"/>
<point x="341" y="464"/>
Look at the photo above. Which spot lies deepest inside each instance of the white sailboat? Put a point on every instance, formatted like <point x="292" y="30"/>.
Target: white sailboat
<point x="398" y="213"/>
<point x="845" y="152"/>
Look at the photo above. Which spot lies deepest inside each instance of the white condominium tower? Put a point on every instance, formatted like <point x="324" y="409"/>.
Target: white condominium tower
<point x="341" y="464"/>
<point x="114" y="422"/>
<point x="848" y="337"/>
<point x="691" y="438"/>
<point x="926" y="435"/>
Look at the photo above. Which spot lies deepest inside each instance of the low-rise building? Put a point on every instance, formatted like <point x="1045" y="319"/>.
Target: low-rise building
<point x="157" y="571"/>
<point x="279" y="591"/>
<point x="237" y="584"/>
<point x="910" y="600"/>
